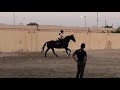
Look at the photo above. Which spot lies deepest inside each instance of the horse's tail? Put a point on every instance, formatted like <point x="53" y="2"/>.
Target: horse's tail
<point x="43" y="47"/>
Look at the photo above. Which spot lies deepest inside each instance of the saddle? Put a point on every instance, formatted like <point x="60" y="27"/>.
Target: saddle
<point x="60" y="42"/>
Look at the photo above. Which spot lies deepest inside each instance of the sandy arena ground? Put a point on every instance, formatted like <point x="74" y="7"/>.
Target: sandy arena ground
<point x="100" y="64"/>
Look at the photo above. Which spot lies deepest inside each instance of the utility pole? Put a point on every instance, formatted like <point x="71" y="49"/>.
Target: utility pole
<point x="14" y="19"/>
<point x="105" y="21"/>
<point x="97" y="21"/>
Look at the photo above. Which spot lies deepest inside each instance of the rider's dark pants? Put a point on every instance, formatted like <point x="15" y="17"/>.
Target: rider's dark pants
<point x="61" y="41"/>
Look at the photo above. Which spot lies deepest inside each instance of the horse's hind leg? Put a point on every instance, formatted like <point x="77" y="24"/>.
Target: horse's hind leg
<point x="54" y="52"/>
<point x="46" y="52"/>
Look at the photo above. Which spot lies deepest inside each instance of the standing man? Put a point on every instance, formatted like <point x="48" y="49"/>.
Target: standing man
<point x="81" y="60"/>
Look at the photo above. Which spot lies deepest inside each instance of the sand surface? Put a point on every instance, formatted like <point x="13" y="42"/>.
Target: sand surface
<point x="100" y="64"/>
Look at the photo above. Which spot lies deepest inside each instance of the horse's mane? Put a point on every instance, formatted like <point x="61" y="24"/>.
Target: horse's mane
<point x="69" y="36"/>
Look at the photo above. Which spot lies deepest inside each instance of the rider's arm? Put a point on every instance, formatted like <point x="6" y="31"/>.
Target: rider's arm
<point x="61" y="36"/>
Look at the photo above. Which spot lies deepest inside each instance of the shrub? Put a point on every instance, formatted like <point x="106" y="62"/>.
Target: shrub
<point x="33" y="24"/>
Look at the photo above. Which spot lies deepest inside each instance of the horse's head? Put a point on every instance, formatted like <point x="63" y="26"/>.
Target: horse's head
<point x="68" y="38"/>
<point x="73" y="38"/>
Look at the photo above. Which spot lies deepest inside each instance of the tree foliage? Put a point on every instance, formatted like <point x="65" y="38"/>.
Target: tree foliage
<point x="108" y="26"/>
<point x="33" y="24"/>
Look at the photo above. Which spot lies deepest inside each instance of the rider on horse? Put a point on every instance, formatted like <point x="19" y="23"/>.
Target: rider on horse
<point x="61" y="37"/>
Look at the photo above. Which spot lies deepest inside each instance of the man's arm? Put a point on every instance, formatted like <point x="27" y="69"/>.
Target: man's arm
<point x="74" y="54"/>
<point x="85" y="58"/>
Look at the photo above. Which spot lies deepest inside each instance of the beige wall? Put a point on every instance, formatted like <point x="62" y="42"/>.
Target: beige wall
<point x="33" y="41"/>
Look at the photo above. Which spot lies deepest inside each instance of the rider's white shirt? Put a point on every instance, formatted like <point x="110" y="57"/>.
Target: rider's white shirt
<point x="61" y="36"/>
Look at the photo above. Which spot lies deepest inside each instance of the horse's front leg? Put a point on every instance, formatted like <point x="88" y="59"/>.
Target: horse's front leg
<point x="67" y="51"/>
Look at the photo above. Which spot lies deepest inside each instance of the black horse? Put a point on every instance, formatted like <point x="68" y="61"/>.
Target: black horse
<point x="60" y="44"/>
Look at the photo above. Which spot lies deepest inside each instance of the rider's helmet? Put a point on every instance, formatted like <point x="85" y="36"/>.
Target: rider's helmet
<point x="61" y="31"/>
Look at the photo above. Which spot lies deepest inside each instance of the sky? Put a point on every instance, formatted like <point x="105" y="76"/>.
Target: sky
<point x="62" y="18"/>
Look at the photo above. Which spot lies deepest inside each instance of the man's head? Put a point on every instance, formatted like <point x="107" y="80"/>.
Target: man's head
<point x="83" y="45"/>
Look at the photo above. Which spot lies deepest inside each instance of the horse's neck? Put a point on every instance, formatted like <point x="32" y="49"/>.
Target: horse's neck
<point x="67" y="39"/>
